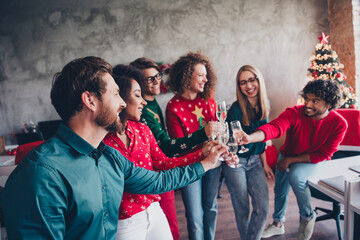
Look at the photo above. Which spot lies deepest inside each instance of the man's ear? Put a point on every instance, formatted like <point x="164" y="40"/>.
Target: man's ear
<point x="89" y="100"/>
<point x="328" y="106"/>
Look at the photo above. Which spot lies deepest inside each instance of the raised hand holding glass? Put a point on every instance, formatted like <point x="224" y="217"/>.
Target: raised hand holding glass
<point x="238" y="133"/>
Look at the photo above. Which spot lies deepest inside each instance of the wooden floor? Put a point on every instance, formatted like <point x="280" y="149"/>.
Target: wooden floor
<point x="226" y="225"/>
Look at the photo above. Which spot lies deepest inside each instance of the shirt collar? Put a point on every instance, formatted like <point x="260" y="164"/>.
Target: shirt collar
<point x="75" y="141"/>
<point x="130" y="127"/>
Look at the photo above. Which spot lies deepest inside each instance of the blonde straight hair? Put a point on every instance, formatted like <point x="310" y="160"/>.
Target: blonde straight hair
<point x="263" y="102"/>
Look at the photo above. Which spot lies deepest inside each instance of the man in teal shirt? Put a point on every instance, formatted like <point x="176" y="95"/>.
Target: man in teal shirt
<point x="70" y="187"/>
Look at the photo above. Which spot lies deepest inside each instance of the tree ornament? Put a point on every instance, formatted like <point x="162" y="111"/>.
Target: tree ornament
<point x="315" y="73"/>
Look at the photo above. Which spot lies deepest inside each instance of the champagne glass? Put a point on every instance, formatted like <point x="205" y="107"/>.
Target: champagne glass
<point x="214" y="130"/>
<point x="233" y="147"/>
<point x="232" y="143"/>
<point x="223" y="136"/>
<point x="221" y="111"/>
<point x="237" y="131"/>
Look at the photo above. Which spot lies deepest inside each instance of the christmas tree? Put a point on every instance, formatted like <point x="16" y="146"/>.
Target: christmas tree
<point x="325" y="64"/>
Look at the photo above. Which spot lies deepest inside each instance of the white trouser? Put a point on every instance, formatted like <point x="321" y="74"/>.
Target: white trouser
<point x="150" y="224"/>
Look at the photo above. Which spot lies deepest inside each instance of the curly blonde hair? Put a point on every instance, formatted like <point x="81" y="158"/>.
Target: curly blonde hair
<point x="182" y="70"/>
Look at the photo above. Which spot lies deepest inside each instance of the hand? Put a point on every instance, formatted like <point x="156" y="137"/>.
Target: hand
<point x="283" y="164"/>
<point x="207" y="147"/>
<point x="232" y="161"/>
<point x="269" y="172"/>
<point x="210" y="128"/>
<point x="215" y="152"/>
<point x="243" y="139"/>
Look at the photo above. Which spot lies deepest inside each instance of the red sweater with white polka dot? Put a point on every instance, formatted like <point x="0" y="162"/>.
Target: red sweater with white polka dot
<point x="144" y="152"/>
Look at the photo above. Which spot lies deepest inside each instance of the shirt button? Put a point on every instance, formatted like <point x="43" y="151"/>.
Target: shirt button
<point x="105" y="214"/>
<point x="103" y="187"/>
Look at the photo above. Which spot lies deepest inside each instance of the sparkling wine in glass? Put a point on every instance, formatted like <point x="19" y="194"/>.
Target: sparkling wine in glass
<point x="221" y="111"/>
<point x="214" y="130"/>
<point x="223" y="136"/>
<point x="233" y="147"/>
<point x="237" y="131"/>
<point x="232" y="144"/>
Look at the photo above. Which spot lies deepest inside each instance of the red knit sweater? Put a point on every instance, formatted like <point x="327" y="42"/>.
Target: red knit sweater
<point x="319" y="138"/>
<point x="184" y="116"/>
<point x="144" y="152"/>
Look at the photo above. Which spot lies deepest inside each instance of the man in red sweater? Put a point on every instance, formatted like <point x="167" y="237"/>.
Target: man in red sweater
<point x="313" y="134"/>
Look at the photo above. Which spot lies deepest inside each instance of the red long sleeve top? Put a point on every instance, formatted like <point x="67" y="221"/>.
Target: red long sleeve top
<point x="318" y="138"/>
<point x="184" y="116"/>
<point x="144" y="152"/>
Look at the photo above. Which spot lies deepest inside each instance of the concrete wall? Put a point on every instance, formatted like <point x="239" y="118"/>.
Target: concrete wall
<point x="38" y="37"/>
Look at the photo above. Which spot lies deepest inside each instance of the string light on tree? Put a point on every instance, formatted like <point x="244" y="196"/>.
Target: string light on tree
<point x="325" y="64"/>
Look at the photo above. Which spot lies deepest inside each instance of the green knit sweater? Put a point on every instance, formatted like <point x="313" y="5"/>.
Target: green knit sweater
<point x="153" y="117"/>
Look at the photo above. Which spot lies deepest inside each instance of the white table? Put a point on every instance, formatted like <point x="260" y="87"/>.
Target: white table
<point x="335" y="168"/>
<point x="7" y="160"/>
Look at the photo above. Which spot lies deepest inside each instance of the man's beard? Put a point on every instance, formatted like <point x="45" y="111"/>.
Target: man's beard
<point x="103" y="119"/>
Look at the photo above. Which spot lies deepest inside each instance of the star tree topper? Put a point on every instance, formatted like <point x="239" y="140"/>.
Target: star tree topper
<point x="323" y="38"/>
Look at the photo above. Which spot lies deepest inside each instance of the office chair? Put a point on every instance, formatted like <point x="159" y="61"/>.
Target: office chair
<point x="23" y="138"/>
<point x="22" y="150"/>
<point x="48" y="128"/>
<point x="334" y="213"/>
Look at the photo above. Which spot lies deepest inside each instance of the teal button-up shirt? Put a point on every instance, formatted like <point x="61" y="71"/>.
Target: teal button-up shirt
<point x="67" y="189"/>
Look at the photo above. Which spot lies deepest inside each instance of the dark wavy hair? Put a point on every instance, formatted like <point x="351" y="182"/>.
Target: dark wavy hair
<point x="328" y="90"/>
<point x="122" y="70"/>
<point x="78" y="76"/>
<point x="144" y="63"/>
<point x="182" y="70"/>
<point x="123" y="74"/>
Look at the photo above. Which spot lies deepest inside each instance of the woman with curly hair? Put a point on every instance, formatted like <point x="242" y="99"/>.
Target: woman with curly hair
<point x="192" y="78"/>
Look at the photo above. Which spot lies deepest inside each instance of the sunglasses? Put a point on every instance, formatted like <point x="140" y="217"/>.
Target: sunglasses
<point x="151" y="79"/>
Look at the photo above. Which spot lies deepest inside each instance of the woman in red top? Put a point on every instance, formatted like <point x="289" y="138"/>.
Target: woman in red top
<point x="193" y="78"/>
<point x="140" y="216"/>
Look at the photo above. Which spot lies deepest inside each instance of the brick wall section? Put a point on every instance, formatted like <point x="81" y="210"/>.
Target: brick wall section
<point x="342" y="35"/>
<point x="356" y="22"/>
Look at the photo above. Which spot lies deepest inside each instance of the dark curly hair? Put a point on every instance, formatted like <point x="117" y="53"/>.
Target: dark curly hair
<point x="328" y="90"/>
<point x="182" y="70"/>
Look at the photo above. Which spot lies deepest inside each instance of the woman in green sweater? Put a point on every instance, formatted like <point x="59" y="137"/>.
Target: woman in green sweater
<point x="153" y="117"/>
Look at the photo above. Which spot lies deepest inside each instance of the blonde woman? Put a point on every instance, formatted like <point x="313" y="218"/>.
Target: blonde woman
<point x="252" y="110"/>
